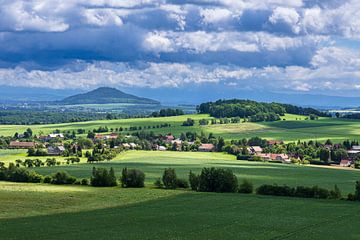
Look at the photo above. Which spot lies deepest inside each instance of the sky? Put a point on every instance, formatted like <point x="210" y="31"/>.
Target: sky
<point x="297" y="46"/>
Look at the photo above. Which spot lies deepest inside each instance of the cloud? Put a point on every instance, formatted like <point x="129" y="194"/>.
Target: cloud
<point x="298" y="45"/>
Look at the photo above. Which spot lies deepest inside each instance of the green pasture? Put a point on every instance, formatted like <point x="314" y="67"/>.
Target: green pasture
<point x="153" y="164"/>
<point x="37" y="211"/>
<point x="293" y="128"/>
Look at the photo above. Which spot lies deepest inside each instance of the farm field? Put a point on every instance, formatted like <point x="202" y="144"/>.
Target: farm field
<point x="153" y="164"/>
<point x="10" y="155"/>
<point x="292" y="129"/>
<point x="69" y="212"/>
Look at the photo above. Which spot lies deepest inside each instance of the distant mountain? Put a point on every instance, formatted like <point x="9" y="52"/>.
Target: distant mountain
<point x="105" y="95"/>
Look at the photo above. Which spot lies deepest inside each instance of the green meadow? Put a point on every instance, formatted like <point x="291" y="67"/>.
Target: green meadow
<point x="153" y="164"/>
<point x="291" y="128"/>
<point x="41" y="211"/>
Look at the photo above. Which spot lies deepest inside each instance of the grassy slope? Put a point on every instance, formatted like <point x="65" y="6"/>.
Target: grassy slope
<point x="153" y="163"/>
<point x="289" y="130"/>
<point x="56" y="212"/>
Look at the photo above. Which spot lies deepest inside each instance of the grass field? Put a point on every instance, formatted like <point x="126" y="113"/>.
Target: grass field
<point x="153" y="164"/>
<point x="33" y="211"/>
<point x="40" y="211"/>
<point x="294" y="128"/>
<point x="10" y="155"/>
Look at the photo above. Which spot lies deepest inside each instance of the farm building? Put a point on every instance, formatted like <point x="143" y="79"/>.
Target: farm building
<point x="275" y="142"/>
<point x="345" y="163"/>
<point x="274" y="157"/>
<point x="255" y="149"/>
<point x="169" y="138"/>
<point x="206" y="147"/>
<point x="55" y="151"/>
<point x="25" y="145"/>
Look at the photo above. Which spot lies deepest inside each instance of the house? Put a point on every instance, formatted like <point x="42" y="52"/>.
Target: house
<point x="255" y="149"/>
<point x="274" y="157"/>
<point x="161" y="148"/>
<point x="55" y="151"/>
<point x="275" y="142"/>
<point x="126" y="145"/>
<point x="25" y="145"/>
<point x="354" y="152"/>
<point x="133" y="145"/>
<point x="169" y="138"/>
<point x="345" y="163"/>
<point x="206" y="147"/>
<point x="55" y="135"/>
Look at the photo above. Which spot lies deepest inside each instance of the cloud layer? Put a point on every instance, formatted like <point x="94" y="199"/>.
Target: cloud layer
<point x="276" y="45"/>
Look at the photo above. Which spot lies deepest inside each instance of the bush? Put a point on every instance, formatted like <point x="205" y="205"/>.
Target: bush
<point x="132" y="178"/>
<point x="182" y="183"/>
<point x="16" y="174"/>
<point x="305" y="162"/>
<point x="275" y="190"/>
<point x="357" y="191"/>
<point x="217" y="180"/>
<point x="47" y="179"/>
<point x="63" y="178"/>
<point x="243" y="157"/>
<point x="85" y="181"/>
<point x="246" y="187"/>
<point x="299" y="191"/>
<point x="101" y="177"/>
<point x="336" y="193"/>
<point x="194" y="181"/>
<point x="169" y="178"/>
<point x="158" y="183"/>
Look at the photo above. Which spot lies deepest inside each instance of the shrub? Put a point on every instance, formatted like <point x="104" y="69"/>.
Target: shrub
<point x="16" y="174"/>
<point x="158" y="183"/>
<point x="63" y="178"/>
<point x="336" y="193"/>
<point x="275" y="190"/>
<point x="217" y="180"/>
<point x="182" y="183"/>
<point x="85" y="181"/>
<point x="101" y="177"/>
<point x="299" y="191"/>
<point x="169" y="178"/>
<point x="194" y="181"/>
<point x="132" y="178"/>
<point x="47" y="179"/>
<point x="243" y="157"/>
<point x="246" y="187"/>
<point x="351" y="197"/>
<point x="357" y="191"/>
<point x="305" y="162"/>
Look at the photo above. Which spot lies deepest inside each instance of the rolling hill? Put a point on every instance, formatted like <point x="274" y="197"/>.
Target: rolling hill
<point x="105" y="95"/>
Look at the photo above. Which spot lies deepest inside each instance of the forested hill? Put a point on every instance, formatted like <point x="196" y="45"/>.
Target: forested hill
<point x="105" y="95"/>
<point x="256" y="111"/>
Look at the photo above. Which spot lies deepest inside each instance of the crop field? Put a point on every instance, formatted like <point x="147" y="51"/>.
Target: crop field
<point x="153" y="164"/>
<point x="36" y="211"/>
<point x="293" y="128"/>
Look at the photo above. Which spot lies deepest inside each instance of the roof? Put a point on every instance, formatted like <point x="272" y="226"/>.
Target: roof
<point x="208" y="146"/>
<point x="345" y="161"/>
<point x="273" y="156"/>
<point x="257" y="148"/>
<point x="21" y="144"/>
<point x="170" y="137"/>
<point x="273" y="142"/>
<point x="55" y="135"/>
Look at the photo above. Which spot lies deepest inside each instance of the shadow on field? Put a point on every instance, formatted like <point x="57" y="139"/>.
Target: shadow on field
<point x="198" y="216"/>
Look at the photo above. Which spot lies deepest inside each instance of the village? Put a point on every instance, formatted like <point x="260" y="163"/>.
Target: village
<point x="255" y="149"/>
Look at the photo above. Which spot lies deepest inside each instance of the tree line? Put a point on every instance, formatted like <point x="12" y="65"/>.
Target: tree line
<point x="255" y="111"/>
